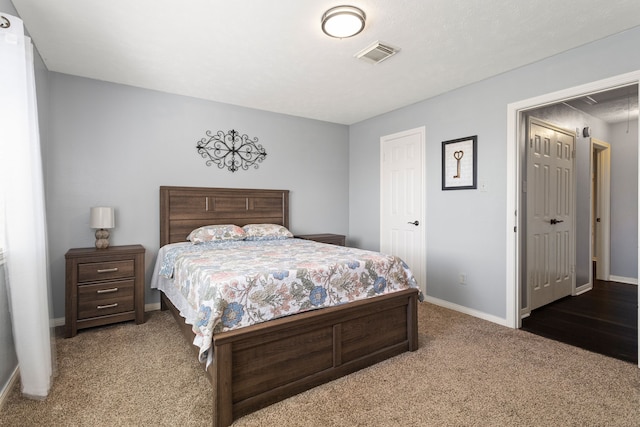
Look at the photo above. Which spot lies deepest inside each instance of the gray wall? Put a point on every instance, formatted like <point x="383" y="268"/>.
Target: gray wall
<point x="466" y="229"/>
<point x="624" y="199"/>
<point x="115" y="145"/>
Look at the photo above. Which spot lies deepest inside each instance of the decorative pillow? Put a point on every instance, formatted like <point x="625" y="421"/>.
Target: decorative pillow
<point x="210" y="233"/>
<point x="266" y="232"/>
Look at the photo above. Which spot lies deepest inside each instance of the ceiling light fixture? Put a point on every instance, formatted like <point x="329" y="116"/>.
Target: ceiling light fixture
<point x="343" y="21"/>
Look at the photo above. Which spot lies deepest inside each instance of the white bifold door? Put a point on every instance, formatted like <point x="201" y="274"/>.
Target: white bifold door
<point x="550" y="213"/>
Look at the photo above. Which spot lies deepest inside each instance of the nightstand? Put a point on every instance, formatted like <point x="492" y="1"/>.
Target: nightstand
<point x="103" y="286"/>
<point x="334" y="239"/>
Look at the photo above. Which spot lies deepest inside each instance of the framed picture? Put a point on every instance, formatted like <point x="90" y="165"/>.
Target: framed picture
<point x="459" y="160"/>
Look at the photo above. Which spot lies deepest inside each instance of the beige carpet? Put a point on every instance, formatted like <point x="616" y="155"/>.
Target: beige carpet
<point x="467" y="372"/>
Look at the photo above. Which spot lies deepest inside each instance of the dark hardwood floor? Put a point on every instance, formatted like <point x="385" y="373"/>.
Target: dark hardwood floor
<point x="603" y="320"/>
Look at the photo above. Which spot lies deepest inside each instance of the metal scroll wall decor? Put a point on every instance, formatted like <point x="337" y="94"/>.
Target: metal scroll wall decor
<point x="231" y="150"/>
<point x="4" y="22"/>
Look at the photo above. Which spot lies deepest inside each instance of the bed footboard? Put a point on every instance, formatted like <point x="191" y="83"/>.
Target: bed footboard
<point x="263" y="364"/>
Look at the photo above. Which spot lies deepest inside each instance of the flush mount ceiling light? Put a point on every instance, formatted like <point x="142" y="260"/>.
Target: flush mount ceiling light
<point x="343" y="21"/>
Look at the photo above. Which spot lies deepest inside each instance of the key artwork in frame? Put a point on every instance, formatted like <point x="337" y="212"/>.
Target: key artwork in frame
<point x="459" y="161"/>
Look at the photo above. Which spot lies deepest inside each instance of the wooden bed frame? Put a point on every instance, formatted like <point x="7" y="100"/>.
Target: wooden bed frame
<point x="262" y="364"/>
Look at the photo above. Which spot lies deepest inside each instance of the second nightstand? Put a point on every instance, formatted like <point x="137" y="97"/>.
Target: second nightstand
<point x="103" y="286"/>
<point x="334" y="239"/>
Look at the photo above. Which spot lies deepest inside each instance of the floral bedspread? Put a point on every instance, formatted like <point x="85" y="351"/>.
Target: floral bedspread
<point x="234" y="284"/>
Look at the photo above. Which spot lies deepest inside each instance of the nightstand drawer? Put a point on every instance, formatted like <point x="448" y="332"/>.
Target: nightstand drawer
<point x="105" y="298"/>
<point x="92" y="271"/>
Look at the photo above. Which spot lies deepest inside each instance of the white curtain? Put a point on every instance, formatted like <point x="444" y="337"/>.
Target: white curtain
<point x="23" y="235"/>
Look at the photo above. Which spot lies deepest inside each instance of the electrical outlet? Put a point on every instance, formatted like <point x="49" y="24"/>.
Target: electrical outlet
<point x="463" y="278"/>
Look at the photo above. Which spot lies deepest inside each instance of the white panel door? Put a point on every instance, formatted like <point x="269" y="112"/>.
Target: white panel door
<point x="550" y="213"/>
<point x="402" y="199"/>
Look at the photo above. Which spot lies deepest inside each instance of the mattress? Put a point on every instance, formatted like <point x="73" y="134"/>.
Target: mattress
<point x="222" y="286"/>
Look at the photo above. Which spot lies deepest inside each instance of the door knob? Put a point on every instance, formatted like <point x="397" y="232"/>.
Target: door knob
<point x="416" y="222"/>
<point x="554" y="221"/>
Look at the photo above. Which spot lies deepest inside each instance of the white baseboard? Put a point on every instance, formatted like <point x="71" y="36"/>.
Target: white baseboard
<point x="582" y="289"/>
<point x="627" y="280"/>
<point x="4" y="393"/>
<point x="59" y="321"/>
<point x="467" y="310"/>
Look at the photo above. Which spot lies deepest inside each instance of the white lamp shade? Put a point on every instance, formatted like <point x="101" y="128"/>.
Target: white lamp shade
<point x="102" y="217"/>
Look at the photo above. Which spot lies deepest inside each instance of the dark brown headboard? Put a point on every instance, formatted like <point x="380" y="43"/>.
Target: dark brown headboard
<point x="183" y="209"/>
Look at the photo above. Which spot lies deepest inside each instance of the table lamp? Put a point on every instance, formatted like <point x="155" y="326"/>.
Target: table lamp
<point x="102" y="218"/>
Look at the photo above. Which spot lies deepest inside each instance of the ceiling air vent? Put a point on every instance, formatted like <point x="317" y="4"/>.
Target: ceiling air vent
<point x="377" y="52"/>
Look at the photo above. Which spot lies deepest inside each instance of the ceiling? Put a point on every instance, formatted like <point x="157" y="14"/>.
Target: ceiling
<point x="612" y="106"/>
<point x="272" y="55"/>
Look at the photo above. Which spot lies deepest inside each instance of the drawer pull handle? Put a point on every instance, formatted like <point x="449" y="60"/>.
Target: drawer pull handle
<point x="108" y="270"/>
<point x="106" y="291"/>
<point x="100" y="307"/>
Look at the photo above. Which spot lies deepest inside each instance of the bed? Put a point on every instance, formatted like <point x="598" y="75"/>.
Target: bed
<point x="255" y="366"/>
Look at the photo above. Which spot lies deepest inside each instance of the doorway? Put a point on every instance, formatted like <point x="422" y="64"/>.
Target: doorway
<point x="600" y="210"/>
<point x="516" y="241"/>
